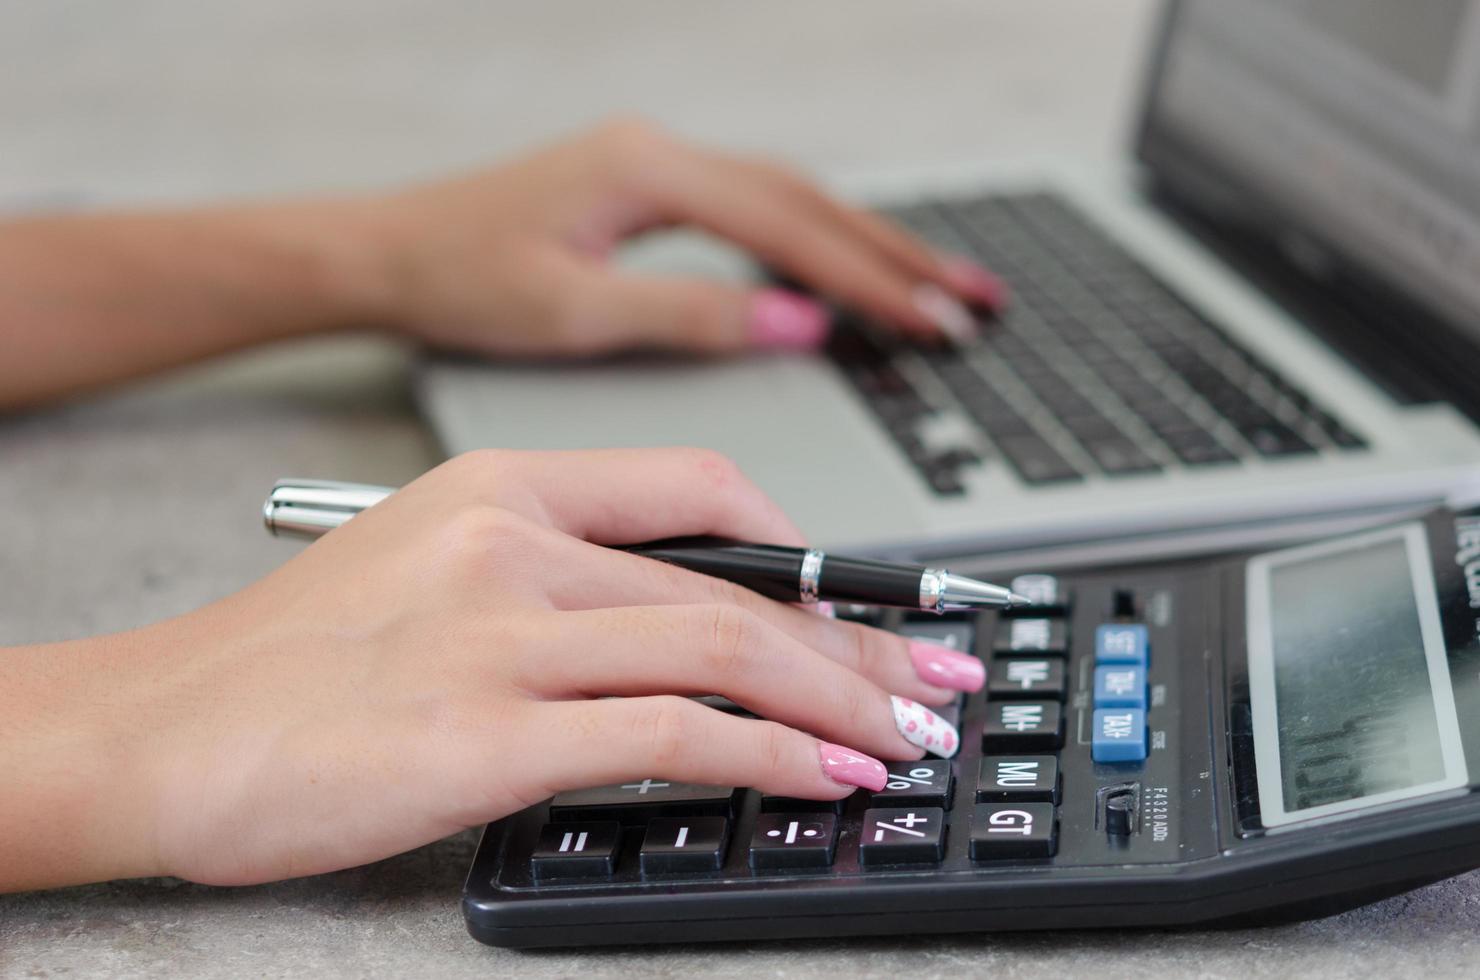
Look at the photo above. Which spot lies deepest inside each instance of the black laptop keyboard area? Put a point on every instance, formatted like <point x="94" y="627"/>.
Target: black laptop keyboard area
<point x="1096" y="368"/>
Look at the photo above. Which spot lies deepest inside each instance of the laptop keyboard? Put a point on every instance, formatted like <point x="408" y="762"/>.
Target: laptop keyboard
<point x="1097" y="367"/>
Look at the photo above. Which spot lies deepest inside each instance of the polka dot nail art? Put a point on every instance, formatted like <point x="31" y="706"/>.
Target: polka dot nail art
<point x="923" y="727"/>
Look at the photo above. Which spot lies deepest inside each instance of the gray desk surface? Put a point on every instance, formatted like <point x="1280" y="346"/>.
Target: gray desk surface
<point x="141" y="504"/>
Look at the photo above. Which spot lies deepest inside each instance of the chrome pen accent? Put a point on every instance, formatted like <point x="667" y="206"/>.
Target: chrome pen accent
<point x="810" y="576"/>
<point x="311" y="508"/>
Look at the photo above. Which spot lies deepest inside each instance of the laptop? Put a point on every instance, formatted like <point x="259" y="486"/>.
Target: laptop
<point x="1268" y="326"/>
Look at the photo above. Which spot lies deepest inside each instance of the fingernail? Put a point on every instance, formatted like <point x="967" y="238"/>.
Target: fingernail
<point x="825" y="608"/>
<point x="976" y="282"/>
<point x="842" y="765"/>
<point x="944" y="667"/>
<point x="924" y="728"/>
<point x="783" y="320"/>
<point x="945" y="312"/>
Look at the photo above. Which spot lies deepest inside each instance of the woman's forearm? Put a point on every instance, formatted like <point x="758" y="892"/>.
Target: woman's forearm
<point x="88" y="300"/>
<point x="76" y="793"/>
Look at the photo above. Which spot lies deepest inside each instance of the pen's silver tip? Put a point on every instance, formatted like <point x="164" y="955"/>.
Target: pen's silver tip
<point x="1015" y="601"/>
<point x="957" y="592"/>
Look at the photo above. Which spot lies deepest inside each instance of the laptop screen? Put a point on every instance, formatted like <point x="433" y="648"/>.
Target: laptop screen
<point x="1350" y="126"/>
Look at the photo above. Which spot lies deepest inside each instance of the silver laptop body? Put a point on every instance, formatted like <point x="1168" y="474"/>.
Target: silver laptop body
<point x="1325" y="146"/>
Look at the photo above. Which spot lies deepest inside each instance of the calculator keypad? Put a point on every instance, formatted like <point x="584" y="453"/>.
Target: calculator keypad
<point x="1065" y="723"/>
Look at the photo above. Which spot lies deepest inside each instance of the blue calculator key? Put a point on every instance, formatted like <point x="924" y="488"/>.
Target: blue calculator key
<point x="1120" y="687"/>
<point x="1119" y="735"/>
<point x="1122" y="643"/>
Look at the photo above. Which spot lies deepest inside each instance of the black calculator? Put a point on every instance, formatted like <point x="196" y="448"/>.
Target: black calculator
<point x="1239" y="740"/>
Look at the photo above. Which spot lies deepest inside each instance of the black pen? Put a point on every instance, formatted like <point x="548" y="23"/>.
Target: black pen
<point x="310" y="508"/>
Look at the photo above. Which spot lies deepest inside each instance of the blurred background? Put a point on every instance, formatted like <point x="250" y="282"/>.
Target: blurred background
<point x="142" y="503"/>
<point x="167" y="99"/>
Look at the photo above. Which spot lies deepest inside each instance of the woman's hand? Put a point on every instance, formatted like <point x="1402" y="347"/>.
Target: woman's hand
<point x="458" y="652"/>
<point x="513" y="260"/>
<point x="509" y="261"/>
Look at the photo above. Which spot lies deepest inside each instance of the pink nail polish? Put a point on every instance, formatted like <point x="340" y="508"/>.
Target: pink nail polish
<point x="783" y="320"/>
<point x="946" y="668"/>
<point x="976" y="282"/>
<point x="843" y="765"/>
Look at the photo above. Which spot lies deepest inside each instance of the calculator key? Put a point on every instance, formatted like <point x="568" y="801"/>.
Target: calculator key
<point x="1013" y="830"/>
<point x="1047" y="594"/>
<point x="683" y="844"/>
<point x="1018" y="778"/>
<point x="638" y="801"/>
<point x="1027" y="679"/>
<point x="1122" y="643"/>
<point x="923" y="783"/>
<point x="1120" y="687"/>
<point x="902" y="835"/>
<point x="1022" y="726"/>
<point x="957" y="636"/>
<point x="795" y="804"/>
<point x="1032" y="636"/>
<point x="856" y="613"/>
<point x="576" y="850"/>
<point x="793" y="840"/>
<point x="1118" y="735"/>
<point x="951" y="713"/>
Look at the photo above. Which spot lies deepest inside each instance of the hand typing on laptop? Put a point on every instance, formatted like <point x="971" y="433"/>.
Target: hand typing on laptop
<point x="509" y="261"/>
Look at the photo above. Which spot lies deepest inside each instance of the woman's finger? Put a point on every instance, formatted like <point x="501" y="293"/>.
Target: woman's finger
<point x="966" y="278"/>
<point x="623" y="496"/>
<point x="619" y="740"/>
<point x="582" y="576"/>
<point x="729" y="200"/>
<point x="724" y="649"/>
<point x="606" y="308"/>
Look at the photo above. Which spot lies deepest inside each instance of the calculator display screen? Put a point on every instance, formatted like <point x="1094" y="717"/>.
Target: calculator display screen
<point x="1348" y="677"/>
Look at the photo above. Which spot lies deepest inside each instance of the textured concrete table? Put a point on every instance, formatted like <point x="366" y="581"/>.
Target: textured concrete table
<point x="142" y="504"/>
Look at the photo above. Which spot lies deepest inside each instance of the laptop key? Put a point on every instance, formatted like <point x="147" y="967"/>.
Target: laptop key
<point x="1117" y="454"/>
<point x="1036" y="461"/>
<point x="1198" y="448"/>
<point x="1274" y="439"/>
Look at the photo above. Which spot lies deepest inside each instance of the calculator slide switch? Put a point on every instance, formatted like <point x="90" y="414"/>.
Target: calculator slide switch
<point x="1118" y="809"/>
<point x="1119" y="815"/>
